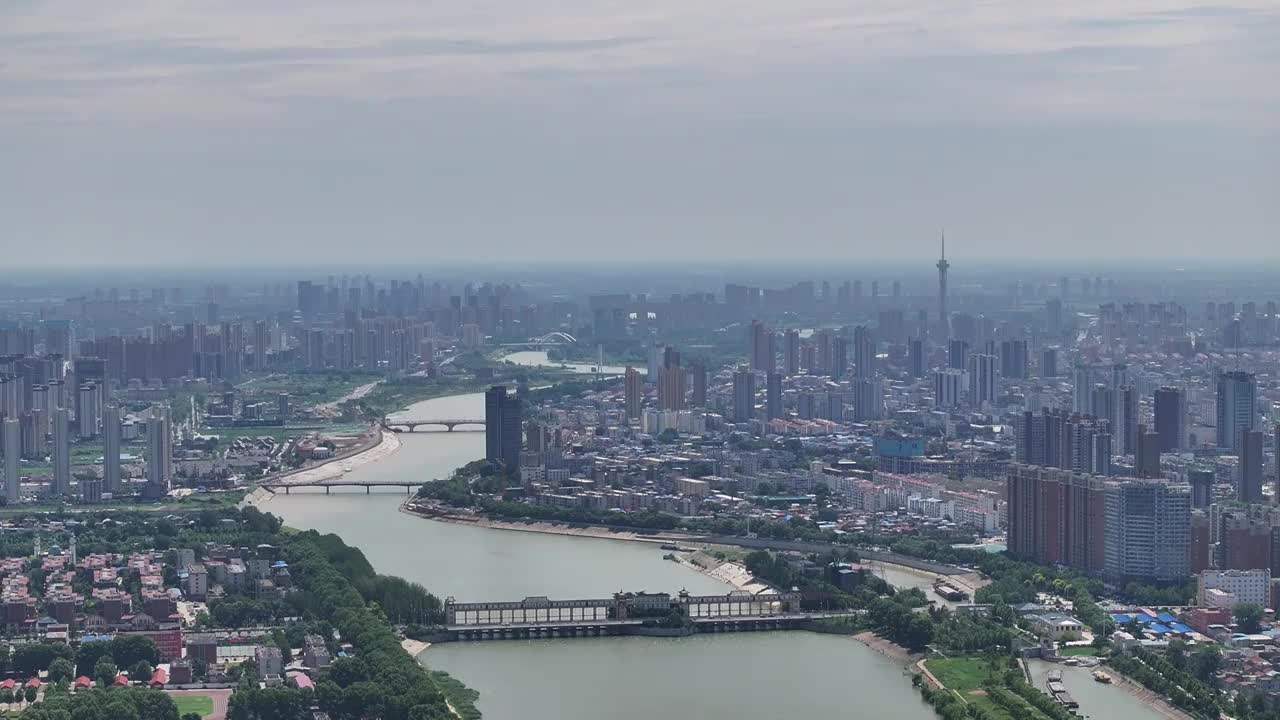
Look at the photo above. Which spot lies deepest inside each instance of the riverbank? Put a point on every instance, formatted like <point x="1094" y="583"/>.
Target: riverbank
<point x="546" y="528"/>
<point x="731" y="573"/>
<point x="414" y="647"/>
<point x="380" y="444"/>
<point x="891" y="650"/>
<point x="1152" y="700"/>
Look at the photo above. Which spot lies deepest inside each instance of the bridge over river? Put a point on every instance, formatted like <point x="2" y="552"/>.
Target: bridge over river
<point x="626" y="613"/>
<point x="449" y="424"/>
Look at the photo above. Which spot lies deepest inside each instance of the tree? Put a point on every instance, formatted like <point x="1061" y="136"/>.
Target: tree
<point x="29" y="694"/>
<point x="61" y="669"/>
<point x="1248" y="617"/>
<point x="6" y="696"/>
<point x="140" y="671"/>
<point x="105" y="671"/>
<point x="129" y="649"/>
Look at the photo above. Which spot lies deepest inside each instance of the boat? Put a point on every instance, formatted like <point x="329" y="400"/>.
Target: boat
<point x="1071" y="662"/>
<point x="948" y="591"/>
<point x="1101" y="677"/>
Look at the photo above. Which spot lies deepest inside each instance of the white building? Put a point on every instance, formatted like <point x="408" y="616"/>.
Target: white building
<point x="1245" y="586"/>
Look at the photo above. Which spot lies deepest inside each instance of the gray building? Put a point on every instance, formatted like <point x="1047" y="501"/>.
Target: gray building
<point x="1148" y="531"/>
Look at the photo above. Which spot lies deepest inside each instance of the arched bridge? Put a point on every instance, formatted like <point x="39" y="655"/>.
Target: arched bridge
<point x="551" y="338"/>
<point x="449" y="424"/>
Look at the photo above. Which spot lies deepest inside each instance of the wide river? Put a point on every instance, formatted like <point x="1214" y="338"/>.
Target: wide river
<point x="750" y="675"/>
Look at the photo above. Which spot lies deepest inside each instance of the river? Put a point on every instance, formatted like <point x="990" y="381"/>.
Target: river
<point x="538" y="358"/>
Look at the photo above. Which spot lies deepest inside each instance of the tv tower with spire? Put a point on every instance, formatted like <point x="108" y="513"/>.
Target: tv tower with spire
<point x="943" y="266"/>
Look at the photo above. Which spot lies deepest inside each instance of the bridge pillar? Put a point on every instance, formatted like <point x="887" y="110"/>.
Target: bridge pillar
<point x="286" y="489"/>
<point x="327" y="489"/>
<point x="368" y="489"/>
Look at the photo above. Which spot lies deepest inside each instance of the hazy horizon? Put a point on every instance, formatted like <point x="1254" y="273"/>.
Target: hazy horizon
<point x="392" y="133"/>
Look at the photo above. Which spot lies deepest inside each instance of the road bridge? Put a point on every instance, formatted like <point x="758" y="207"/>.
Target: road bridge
<point x="449" y="424"/>
<point x="540" y="610"/>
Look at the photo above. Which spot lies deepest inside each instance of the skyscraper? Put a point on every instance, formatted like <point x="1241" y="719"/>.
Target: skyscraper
<point x="773" y="396"/>
<point x="982" y="379"/>
<point x="946" y="388"/>
<point x="943" y="318"/>
<point x="868" y="399"/>
<point x="633" y="389"/>
<point x="12" y="446"/>
<point x="671" y="385"/>
<point x="159" y="452"/>
<point x="957" y="354"/>
<point x="864" y="352"/>
<point x="1146" y="456"/>
<point x="762" y="351"/>
<point x="1148" y="531"/>
<point x="61" y="453"/>
<point x="1169" y="418"/>
<point x="1049" y="363"/>
<point x="1249" y="471"/>
<point x="839" y="358"/>
<point x="1013" y="359"/>
<point x="744" y="395"/>
<point x="915" y="354"/>
<point x="111" y="449"/>
<point x="791" y="352"/>
<point x="1237" y="396"/>
<point x="698" y="375"/>
<point x="502" y="422"/>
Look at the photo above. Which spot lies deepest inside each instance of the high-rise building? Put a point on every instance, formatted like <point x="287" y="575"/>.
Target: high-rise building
<point x="260" y="343"/>
<point x="1081" y="388"/>
<point x="839" y="358"/>
<point x="1056" y="517"/>
<point x="791" y="352"/>
<point x="957" y="354"/>
<point x="1148" y="531"/>
<point x="773" y="396"/>
<point x="947" y="386"/>
<point x="12" y="446"/>
<point x="1170" y="418"/>
<point x="1237" y="397"/>
<point x="1249" y="469"/>
<point x="111" y="449"/>
<point x="864" y="352"/>
<point x="944" y="319"/>
<point x="159" y="452"/>
<point x="763" y="358"/>
<point x="1013" y="359"/>
<point x="1146" y="456"/>
<point x="982" y="380"/>
<point x="915" y="354"/>
<point x="671" y="386"/>
<point x="868" y="399"/>
<point x="698" y="374"/>
<point x="744" y="395"/>
<point x="1201" y="480"/>
<point x="503" y="418"/>
<point x="1125" y="426"/>
<point x="1049" y="363"/>
<point x="633" y="388"/>
<point x="61" y="455"/>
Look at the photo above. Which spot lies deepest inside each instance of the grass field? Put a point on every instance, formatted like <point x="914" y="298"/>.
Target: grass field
<point x="965" y="676"/>
<point x="199" y="704"/>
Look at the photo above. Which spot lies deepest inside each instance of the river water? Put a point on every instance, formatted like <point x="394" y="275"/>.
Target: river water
<point x="750" y="675"/>
<point x="538" y="358"/>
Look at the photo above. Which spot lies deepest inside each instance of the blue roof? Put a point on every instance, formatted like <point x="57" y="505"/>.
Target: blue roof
<point x="1121" y="618"/>
<point x="1179" y="627"/>
<point x="1159" y="629"/>
<point x="94" y="638"/>
<point x="1166" y="618"/>
<point x="281" y="563"/>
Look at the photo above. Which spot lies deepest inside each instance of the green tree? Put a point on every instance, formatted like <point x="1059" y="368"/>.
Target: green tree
<point x="29" y="694"/>
<point x="105" y="672"/>
<point x="141" y="671"/>
<point x="1248" y="617"/>
<point x="61" y="669"/>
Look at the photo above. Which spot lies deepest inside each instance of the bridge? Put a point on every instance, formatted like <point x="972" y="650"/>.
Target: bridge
<point x="552" y="338"/>
<point x="626" y="614"/>
<point x="449" y="424"/>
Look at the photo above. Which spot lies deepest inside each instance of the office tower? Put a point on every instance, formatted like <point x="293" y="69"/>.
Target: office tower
<point x="12" y="446"/>
<point x="946" y="388"/>
<point x="1013" y="359"/>
<point x="1081" y="388"/>
<point x="864" y="352"/>
<point x="791" y="352"/>
<point x="915" y="354"/>
<point x="1146" y="455"/>
<point x="111" y="449"/>
<point x="839" y="358"/>
<point x="762" y="351"/>
<point x="671" y="385"/>
<point x="502" y="422"/>
<point x="159" y="452"/>
<point x="699" y="382"/>
<point x="1201" y="480"/>
<point x="982" y="379"/>
<point x="773" y="396"/>
<point x="61" y="453"/>
<point x="744" y="395"/>
<point x="944" y="320"/>
<point x="822" y="352"/>
<point x="1170" y="417"/>
<point x="633" y="389"/>
<point x="957" y="354"/>
<point x="1053" y="316"/>
<point x="654" y="362"/>
<point x="87" y="411"/>
<point x="1056" y="517"/>
<point x="260" y="343"/>
<point x="1126" y="426"/>
<point x="868" y="399"/>
<point x="1237" y="396"/>
<point x="670" y="357"/>
<point x="1249" y="470"/>
<point x="1148" y="531"/>
<point x="1049" y="363"/>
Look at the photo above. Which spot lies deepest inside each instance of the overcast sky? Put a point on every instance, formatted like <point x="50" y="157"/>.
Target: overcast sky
<point x="176" y="132"/>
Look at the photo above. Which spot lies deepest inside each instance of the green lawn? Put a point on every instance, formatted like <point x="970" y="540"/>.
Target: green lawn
<point x="965" y="675"/>
<point x="199" y="704"/>
<point x="1078" y="651"/>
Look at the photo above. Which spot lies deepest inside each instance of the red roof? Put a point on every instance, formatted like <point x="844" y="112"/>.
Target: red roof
<point x="159" y="677"/>
<point x="8" y="684"/>
<point x="34" y="682"/>
<point x="122" y="679"/>
<point x="83" y="681"/>
<point x="301" y="681"/>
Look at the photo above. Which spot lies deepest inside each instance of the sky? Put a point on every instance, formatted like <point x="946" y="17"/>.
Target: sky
<point x="186" y="134"/>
